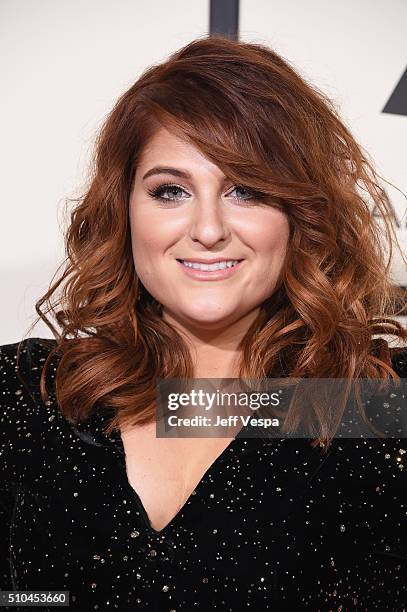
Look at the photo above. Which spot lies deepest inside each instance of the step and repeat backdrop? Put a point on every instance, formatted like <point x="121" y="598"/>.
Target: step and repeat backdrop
<point x="65" y="63"/>
<point x="356" y="52"/>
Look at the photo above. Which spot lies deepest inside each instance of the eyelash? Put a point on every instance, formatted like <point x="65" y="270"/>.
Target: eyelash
<point x="155" y="193"/>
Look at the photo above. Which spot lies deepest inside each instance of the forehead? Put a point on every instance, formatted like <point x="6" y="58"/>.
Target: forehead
<point x="164" y="142"/>
<point x="169" y="149"/>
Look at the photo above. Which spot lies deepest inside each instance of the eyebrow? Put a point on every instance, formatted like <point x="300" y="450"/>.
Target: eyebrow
<point x="169" y="170"/>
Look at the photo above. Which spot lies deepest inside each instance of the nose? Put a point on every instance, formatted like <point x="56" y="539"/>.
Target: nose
<point x="208" y="224"/>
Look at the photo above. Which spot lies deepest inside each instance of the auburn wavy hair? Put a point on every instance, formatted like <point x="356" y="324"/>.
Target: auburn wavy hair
<point x="251" y="113"/>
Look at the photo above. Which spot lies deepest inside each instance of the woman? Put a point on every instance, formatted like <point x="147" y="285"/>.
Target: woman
<point x="220" y="153"/>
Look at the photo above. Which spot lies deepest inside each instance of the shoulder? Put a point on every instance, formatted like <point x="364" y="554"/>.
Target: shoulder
<point x="363" y="485"/>
<point x="24" y="358"/>
<point x="22" y="412"/>
<point x="364" y="478"/>
<point x="21" y="365"/>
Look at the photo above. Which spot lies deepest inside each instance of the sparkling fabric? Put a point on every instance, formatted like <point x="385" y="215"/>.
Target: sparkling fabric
<point x="273" y="525"/>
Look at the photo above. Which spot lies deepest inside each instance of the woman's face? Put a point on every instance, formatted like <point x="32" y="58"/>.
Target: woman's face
<point x="202" y="215"/>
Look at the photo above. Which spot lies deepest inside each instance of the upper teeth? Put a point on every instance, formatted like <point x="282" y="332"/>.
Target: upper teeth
<point x="220" y="265"/>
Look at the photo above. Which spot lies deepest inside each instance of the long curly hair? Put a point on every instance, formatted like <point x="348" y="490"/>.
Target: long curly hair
<point x="249" y="112"/>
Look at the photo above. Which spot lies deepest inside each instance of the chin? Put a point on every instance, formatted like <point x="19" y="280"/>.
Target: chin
<point x="214" y="318"/>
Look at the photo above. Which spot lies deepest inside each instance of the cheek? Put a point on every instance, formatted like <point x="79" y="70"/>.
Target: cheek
<point x="269" y="234"/>
<point x="280" y="236"/>
<point x="145" y="235"/>
<point x="155" y="226"/>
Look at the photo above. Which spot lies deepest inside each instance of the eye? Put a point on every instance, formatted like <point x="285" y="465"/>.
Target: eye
<point x="170" y="192"/>
<point x="251" y="194"/>
<point x="158" y="192"/>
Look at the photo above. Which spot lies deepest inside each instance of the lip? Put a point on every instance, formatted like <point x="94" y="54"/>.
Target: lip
<point x="211" y="261"/>
<point x="210" y="275"/>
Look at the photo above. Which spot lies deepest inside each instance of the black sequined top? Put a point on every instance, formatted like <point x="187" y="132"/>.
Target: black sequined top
<point x="274" y="524"/>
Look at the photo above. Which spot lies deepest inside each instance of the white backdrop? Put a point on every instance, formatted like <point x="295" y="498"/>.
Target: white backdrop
<point x="356" y="52"/>
<point x="65" y="63"/>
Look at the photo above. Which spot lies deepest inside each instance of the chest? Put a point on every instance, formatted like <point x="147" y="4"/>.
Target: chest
<point x="164" y="471"/>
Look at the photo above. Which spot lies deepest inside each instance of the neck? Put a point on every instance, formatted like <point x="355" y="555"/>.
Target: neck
<point x="215" y="352"/>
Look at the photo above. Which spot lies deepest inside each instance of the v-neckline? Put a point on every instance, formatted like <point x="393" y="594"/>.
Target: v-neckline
<point x="92" y="432"/>
<point x="135" y="495"/>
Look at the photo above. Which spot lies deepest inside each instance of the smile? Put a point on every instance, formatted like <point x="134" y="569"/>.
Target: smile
<point x="214" y="271"/>
<point x="219" y="265"/>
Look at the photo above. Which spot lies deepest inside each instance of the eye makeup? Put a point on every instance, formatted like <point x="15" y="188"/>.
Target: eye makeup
<point x="157" y="193"/>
